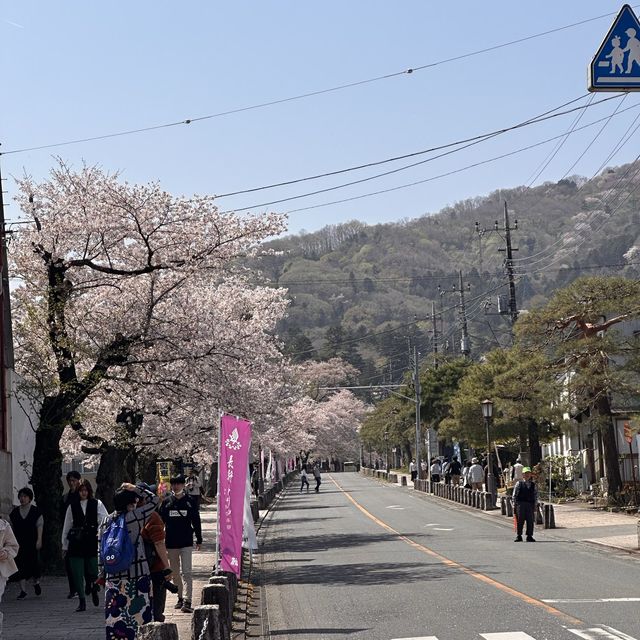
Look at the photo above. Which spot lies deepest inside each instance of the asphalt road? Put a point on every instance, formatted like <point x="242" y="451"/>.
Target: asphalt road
<point x="363" y="559"/>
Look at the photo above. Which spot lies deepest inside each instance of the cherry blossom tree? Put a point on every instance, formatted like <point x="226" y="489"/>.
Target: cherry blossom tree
<point x="103" y="272"/>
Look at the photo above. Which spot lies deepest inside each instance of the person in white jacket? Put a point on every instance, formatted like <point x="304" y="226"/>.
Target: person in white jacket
<point x="8" y="551"/>
<point x="476" y="474"/>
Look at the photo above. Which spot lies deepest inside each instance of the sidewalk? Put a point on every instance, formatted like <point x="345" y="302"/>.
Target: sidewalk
<point x="52" y="617"/>
<point x="580" y="522"/>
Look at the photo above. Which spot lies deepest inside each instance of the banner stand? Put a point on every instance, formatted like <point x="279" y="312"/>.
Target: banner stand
<point x="216" y="568"/>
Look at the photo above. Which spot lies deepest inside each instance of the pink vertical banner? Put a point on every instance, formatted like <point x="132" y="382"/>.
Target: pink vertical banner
<point x="234" y="446"/>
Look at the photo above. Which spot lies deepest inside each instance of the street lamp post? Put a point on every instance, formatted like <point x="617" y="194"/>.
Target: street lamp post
<point x="487" y="413"/>
<point x="385" y="435"/>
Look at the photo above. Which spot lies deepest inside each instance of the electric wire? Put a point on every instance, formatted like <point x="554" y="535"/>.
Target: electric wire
<point x="262" y="105"/>
<point x="459" y="146"/>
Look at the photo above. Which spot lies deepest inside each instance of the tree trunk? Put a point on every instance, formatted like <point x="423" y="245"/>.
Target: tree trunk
<point x="146" y="469"/>
<point x="535" y="450"/>
<point x="47" y="486"/>
<point x="610" y="448"/>
<point x="116" y="466"/>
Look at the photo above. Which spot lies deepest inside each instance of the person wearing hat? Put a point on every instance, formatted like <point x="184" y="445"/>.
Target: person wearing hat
<point x="181" y="521"/>
<point x="525" y="499"/>
<point x="476" y="475"/>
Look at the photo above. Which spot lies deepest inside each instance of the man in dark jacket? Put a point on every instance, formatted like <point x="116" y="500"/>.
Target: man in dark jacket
<point x="181" y="520"/>
<point x="525" y="500"/>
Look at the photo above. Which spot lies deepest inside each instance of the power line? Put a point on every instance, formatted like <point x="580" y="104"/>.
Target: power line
<point x="459" y="146"/>
<point x="310" y="94"/>
<point x="438" y="176"/>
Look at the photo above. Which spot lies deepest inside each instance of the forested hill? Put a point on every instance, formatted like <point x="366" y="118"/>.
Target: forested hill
<point x="350" y="281"/>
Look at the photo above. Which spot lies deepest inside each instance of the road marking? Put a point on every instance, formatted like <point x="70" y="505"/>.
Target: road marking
<point x="416" y="638"/>
<point x="395" y="506"/>
<point x="435" y="524"/>
<point x="601" y="633"/>
<point x="591" y="600"/>
<point x="441" y="529"/>
<point x="456" y="565"/>
<point x="509" y="635"/>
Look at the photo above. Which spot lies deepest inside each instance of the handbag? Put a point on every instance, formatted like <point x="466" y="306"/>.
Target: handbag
<point x="76" y="534"/>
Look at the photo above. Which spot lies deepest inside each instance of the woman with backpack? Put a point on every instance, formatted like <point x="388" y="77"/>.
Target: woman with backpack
<point x="124" y="562"/>
<point x="80" y="542"/>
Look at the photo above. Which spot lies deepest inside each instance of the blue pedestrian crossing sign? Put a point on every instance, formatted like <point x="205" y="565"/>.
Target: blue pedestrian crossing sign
<point x="616" y="65"/>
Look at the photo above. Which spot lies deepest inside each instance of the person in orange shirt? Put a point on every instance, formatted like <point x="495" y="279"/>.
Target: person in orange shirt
<point x="153" y="535"/>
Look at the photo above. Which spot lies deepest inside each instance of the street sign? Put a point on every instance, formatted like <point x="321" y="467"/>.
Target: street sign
<point x="628" y="436"/>
<point x="616" y="65"/>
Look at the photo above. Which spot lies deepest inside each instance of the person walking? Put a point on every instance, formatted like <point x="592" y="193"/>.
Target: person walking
<point x="127" y="594"/>
<point x="181" y="521"/>
<point x="465" y="475"/>
<point x="476" y="475"/>
<point x="435" y="470"/>
<point x="412" y="470"/>
<point x="27" y="524"/>
<point x="8" y="551"/>
<point x="193" y="488"/>
<point x="516" y="471"/>
<point x="304" y="480"/>
<point x="317" y="476"/>
<point x="80" y="542"/>
<point x="73" y="480"/>
<point x="155" y="548"/>
<point x="455" y="469"/>
<point x="525" y="501"/>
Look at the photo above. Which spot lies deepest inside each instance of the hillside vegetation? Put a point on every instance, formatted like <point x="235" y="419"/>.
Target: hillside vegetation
<point x="361" y="291"/>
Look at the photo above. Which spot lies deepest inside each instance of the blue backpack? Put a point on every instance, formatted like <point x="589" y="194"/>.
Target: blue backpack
<point x="116" y="548"/>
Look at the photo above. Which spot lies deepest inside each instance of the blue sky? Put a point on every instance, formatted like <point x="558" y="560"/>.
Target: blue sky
<point x="80" y="69"/>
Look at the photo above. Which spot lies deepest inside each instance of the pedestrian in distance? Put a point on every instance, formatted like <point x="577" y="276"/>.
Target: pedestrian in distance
<point x="73" y="480"/>
<point x="8" y="551"/>
<point x="455" y="470"/>
<point x="127" y="599"/>
<point x="155" y="550"/>
<point x="516" y="471"/>
<point x="80" y="543"/>
<point x="27" y="525"/>
<point x="476" y="475"/>
<point x="465" y="475"/>
<point x="303" y="479"/>
<point x="182" y="522"/>
<point x="193" y="488"/>
<point x="525" y="502"/>
<point x="435" y="470"/>
<point x="317" y="476"/>
<point x="413" y="470"/>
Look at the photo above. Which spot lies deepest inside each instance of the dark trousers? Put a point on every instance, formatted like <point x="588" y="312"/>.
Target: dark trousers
<point x="317" y="484"/>
<point x="525" y="512"/>
<point x="69" y="572"/>
<point x="159" y="596"/>
<point x="304" y="481"/>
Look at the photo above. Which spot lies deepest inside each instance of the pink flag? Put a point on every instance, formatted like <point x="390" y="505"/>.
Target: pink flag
<point x="234" y="446"/>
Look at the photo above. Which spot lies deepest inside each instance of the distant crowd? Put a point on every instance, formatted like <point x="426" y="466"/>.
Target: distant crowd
<point x="132" y="553"/>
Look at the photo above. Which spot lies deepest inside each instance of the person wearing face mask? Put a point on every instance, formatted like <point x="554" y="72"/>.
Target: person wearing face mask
<point x="80" y="542"/>
<point x="182" y="521"/>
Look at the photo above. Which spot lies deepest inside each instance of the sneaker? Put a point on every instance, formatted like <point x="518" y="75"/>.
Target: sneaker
<point x="72" y="595"/>
<point x="179" y="604"/>
<point x="186" y="607"/>
<point x="82" y="606"/>
<point x="37" y="588"/>
<point x="530" y="539"/>
<point x="23" y="595"/>
<point x="518" y="539"/>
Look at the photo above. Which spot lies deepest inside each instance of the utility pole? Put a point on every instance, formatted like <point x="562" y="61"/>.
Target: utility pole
<point x="435" y="335"/>
<point x="416" y="384"/>
<point x="508" y="264"/>
<point x="465" y="345"/>
<point x="6" y="334"/>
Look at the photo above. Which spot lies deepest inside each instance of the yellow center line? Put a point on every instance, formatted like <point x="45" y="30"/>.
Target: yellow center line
<point x="456" y="565"/>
